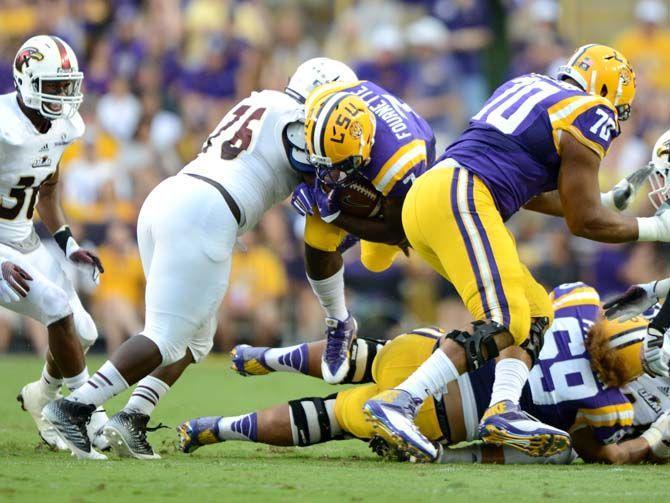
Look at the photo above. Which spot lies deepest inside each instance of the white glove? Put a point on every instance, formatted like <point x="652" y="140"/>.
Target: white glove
<point x="658" y="436"/>
<point x="623" y="193"/>
<point x="636" y="300"/>
<point x="656" y="228"/>
<point x="656" y="353"/>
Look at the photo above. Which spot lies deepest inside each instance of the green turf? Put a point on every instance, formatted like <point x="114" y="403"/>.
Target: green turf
<point x="341" y="471"/>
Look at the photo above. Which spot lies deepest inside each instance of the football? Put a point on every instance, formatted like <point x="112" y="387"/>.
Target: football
<point x="360" y="199"/>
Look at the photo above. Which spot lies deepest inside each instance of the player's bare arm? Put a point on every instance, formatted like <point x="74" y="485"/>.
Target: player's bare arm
<point x="51" y="211"/>
<point x="385" y="229"/>
<point x="628" y="452"/>
<point x="548" y="203"/>
<point x="580" y="197"/>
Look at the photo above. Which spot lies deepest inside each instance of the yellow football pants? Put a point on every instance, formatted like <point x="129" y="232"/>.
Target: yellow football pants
<point x="395" y="362"/>
<point x="376" y="257"/>
<point x="452" y="222"/>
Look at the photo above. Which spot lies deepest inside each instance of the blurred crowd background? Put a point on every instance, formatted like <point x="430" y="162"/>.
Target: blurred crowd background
<point x="159" y="75"/>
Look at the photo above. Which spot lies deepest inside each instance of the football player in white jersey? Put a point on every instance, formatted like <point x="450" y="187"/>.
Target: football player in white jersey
<point x="187" y="229"/>
<point x="37" y="122"/>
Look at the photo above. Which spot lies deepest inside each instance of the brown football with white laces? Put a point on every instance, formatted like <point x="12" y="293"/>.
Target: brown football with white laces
<point x="360" y="199"/>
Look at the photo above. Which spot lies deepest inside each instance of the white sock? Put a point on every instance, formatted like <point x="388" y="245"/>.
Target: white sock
<point x="75" y="382"/>
<point x="432" y="377"/>
<point x="146" y="395"/>
<point x="102" y="386"/>
<point x="511" y="375"/>
<point x="330" y="292"/>
<point x="49" y="384"/>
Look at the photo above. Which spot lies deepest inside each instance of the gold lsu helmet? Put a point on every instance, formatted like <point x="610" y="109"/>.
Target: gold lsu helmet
<point x="339" y="134"/>
<point x="615" y="349"/>
<point x="603" y="71"/>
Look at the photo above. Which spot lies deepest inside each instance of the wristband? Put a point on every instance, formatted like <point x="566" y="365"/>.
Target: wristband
<point x="647" y="229"/>
<point x="607" y="200"/>
<point x="65" y="240"/>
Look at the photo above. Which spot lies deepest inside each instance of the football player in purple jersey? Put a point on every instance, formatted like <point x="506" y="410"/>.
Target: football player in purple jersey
<point x="536" y="143"/>
<point x="579" y="385"/>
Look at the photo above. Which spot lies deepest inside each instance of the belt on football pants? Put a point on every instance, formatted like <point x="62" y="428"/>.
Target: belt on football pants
<point x="234" y="208"/>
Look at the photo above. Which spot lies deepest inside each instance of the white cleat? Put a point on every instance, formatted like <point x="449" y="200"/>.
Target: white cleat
<point x="94" y="428"/>
<point x="33" y="399"/>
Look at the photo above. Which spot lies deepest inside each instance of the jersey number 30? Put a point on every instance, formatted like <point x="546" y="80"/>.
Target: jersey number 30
<point x="239" y="130"/>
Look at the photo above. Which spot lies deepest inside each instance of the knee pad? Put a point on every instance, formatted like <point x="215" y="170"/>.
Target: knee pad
<point x="533" y="345"/>
<point x="85" y="328"/>
<point x="480" y="347"/>
<point x="363" y="353"/>
<point x="313" y="420"/>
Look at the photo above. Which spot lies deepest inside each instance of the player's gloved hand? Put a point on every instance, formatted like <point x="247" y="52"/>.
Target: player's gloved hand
<point x="302" y="200"/>
<point x="13" y="282"/>
<point x="623" y="193"/>
<point x="84" y="259"/>
<point x="658" y="436"/>
<point x="656" y="353"/>
<point x="329" y="210"/>
<point x="636" y="300"/>
<point x="656" y="228"/>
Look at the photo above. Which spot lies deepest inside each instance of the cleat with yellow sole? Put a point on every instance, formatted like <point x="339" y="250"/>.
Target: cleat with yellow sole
<point x="506" y="424"/>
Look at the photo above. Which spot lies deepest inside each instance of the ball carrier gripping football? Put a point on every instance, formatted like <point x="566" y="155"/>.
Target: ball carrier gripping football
<point x="357" y="195"/>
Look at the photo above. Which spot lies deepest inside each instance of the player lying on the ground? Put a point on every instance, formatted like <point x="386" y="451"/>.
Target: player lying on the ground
<point x="575" y="387"/>
<point x="37" y="123"/>
<point x="368" y="169"/>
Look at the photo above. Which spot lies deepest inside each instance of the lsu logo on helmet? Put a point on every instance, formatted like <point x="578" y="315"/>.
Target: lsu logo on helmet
<point x="339" y="134"/>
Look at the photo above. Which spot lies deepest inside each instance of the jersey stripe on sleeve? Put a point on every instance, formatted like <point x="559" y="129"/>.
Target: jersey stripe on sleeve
<point x="397" y="166"/>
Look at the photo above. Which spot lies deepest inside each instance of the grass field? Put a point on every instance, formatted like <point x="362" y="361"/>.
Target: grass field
<point x="237" y="471"/>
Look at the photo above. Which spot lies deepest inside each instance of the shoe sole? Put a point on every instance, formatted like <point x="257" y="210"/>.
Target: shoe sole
<point x="394" y="440"/>
<point x="185" y="439"/>
<point x="119" y="445"/>
<point x="542" y="445"/>
<point x="52" y="446"/>
<point x="76" y="451"/>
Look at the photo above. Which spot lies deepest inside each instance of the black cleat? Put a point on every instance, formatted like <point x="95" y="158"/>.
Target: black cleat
<point x="126" y="433"/>
<point x="70" y="420"/>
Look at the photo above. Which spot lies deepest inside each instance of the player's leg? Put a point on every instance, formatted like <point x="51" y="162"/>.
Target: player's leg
<point x="188" y="232"/>
<point x="305" y="359"/>
<point x="452" y="221"/>
<point x="377" y="257"/>
<point x="325" y="273"/>
<point x="501" y="455"/>
<point x="47" y="303"/>
<point x="302" y="422"/>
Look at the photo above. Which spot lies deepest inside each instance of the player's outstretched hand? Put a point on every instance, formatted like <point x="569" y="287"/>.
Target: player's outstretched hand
<point x="636" y="300"/>
<point x="88" y="261"/>
<point x="623" y="193"/>
<point x="13" y="282"/>
<point x="658" y="436"/>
